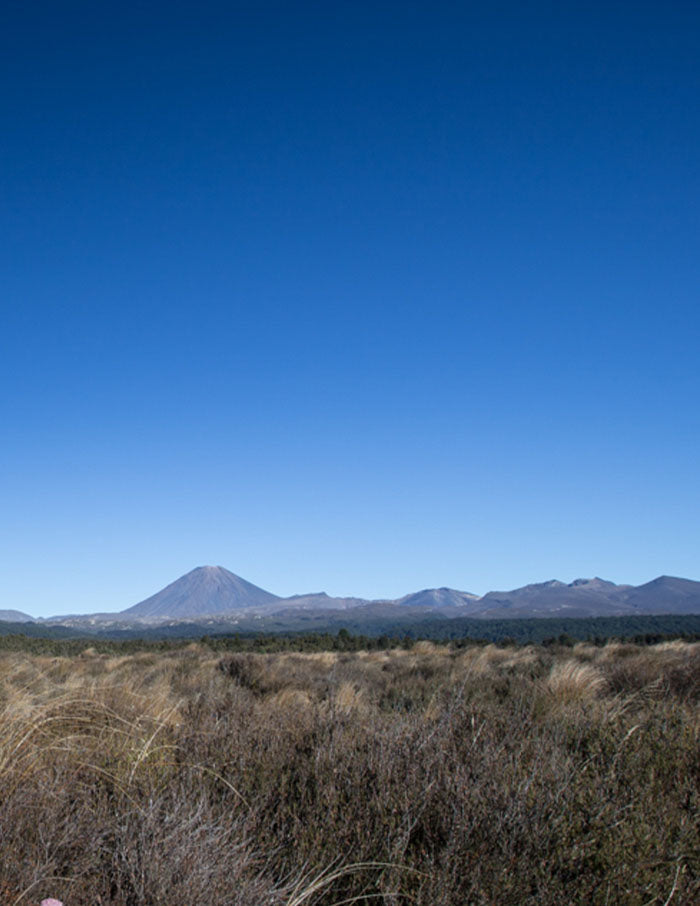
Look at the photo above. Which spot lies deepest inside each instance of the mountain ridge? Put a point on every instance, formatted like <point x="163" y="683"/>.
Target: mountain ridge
<point x="216" y="593"/>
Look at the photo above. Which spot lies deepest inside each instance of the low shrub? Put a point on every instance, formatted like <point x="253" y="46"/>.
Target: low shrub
<point x="426" y="775"/>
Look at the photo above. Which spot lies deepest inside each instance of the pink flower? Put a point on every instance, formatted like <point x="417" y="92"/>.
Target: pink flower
<point x="51" y="902"/>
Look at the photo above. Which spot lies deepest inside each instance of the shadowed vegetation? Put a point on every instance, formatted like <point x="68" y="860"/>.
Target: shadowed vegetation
<point x="318" y="630"/>
<point x="425" y="775"/>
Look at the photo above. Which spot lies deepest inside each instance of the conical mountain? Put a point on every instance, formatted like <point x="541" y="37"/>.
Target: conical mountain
<point x="203" y="591"/>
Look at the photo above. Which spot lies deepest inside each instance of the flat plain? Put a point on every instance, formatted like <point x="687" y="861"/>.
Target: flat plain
<point x="427" y="775"/>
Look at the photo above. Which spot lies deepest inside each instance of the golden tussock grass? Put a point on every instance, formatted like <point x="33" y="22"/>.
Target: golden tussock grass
<point x="571" y="681"/>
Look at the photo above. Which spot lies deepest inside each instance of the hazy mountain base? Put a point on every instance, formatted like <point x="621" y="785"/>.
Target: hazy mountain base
<point x="426" y="777"/>
<point x="414" y="624"/>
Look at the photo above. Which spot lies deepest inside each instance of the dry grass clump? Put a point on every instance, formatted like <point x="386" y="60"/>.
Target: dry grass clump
<point x="348" y="698"/>
<point x="429" y="777"/>
<point x="660" y="670"/>
<point x="571" y="681"/>
<point x="489" y="659"/>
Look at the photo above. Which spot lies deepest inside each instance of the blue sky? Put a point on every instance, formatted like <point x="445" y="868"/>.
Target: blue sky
<point x="356" y="297"/>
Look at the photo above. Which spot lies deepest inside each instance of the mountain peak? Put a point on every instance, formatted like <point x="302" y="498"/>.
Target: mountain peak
<point x="203" y="591"/>
<point x="438" y="597"/>
<point x="595" y="582"/>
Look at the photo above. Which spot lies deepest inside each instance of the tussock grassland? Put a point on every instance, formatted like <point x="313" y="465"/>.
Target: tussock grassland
<point x="430" y="776"/>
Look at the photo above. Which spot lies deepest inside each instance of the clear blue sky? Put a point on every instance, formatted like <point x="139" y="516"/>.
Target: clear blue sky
<point x="363" y="297"/>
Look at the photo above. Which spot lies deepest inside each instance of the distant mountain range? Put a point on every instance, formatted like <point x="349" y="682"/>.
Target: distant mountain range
<point x="212" y="593"/>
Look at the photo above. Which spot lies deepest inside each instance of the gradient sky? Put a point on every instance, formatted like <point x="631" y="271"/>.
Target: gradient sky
<point x="362" y="297"/>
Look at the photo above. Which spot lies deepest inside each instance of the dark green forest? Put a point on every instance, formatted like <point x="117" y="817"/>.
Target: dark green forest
<point x="62" y="640"/>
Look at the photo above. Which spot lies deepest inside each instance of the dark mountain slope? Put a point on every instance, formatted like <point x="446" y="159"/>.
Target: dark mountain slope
<point x="666" y="594"/>
<point x="582" y="597"/>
